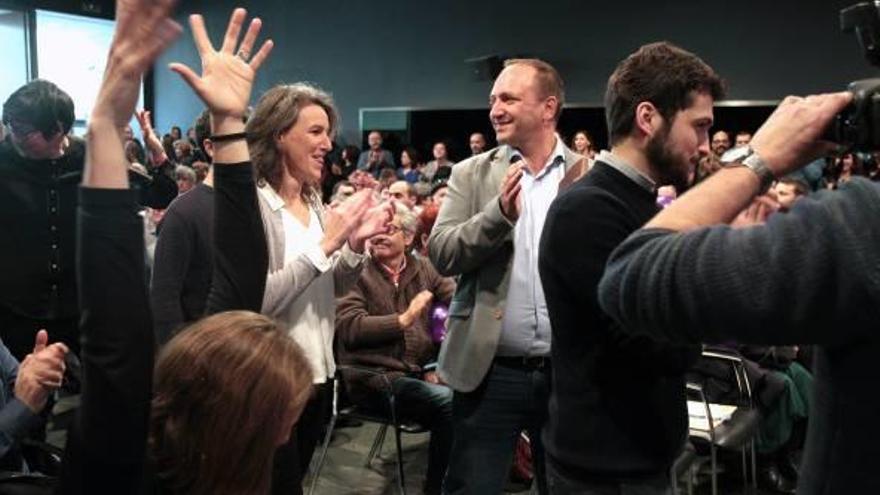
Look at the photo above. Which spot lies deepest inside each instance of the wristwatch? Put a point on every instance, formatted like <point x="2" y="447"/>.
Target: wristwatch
<point x="745" y="156"/>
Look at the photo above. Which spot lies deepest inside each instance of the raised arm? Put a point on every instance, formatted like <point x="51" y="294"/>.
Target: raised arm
<point x="225" y="84"/>
<point x="105" y="450"/>
<point x="804" y="277"/>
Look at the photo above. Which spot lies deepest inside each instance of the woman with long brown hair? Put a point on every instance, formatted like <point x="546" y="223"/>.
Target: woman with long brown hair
<point x="227" y="390"/>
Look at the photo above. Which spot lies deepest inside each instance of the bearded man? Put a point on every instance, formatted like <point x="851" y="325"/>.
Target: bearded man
<point x="659" y="121"/>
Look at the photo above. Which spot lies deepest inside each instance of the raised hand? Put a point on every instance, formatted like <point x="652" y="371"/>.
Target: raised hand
<point x="227" y="74"/>
<point x="143" y="30"/>
<point x="790" y="138"/>
<point x="151" y="139"/>
<point x="41" y="372"/>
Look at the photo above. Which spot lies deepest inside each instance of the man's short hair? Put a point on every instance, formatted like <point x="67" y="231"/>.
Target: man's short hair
<point x="548" y="80"/>
<point x="41" y="104"/>
<point x="660" y="73"/>
<point x="801" y="188"/>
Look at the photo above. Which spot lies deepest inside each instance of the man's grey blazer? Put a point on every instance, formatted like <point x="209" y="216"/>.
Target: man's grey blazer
<point x="473" y="240"/>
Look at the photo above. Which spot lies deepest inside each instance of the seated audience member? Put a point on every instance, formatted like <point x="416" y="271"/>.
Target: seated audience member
<point x="477" y="143"/>
<point x="440" y="167"/>
<point x="844" y="168"/>
<point x="404" y="192"/>
<point x="409" y="165"/>
<point x="743" y="138"/>
<point x="185" y="178"/>
<point x="342" y="191"/>
<point x="183" y="152"/>
<point x="202" y="169"/>
<point x="426" y="220"/>
<point x="788" y="190"/>
<point x="24" y="394"/>
<point x="348" y="159"/>
<point x="134" y="152"/>
<point x="383" y="322"/>
<point x="193" y="398"/>
<point x="362" y="179"/>
<point x="371" y="158"/>
<point x="720" y="142"/>
<point x="182" y="267"/>
<point x="386" y="177"/>
<point x="783" y="391"/>
<point x="582" y="144"/>
<point x="438" y="193"/>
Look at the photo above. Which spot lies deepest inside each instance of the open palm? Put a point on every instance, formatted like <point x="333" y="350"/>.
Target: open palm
<point x="228" y="74"/>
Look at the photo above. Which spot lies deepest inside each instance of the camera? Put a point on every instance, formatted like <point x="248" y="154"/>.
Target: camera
<point x="857" y="127"/>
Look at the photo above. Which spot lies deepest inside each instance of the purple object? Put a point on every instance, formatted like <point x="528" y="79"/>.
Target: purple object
<point x="438" y="322"/>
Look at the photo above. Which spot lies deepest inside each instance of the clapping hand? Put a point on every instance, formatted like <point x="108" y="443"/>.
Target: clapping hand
<point x="416" y="309"/>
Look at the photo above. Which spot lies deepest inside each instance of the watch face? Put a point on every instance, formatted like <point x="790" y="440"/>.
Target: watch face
<point x="736" y="155"/>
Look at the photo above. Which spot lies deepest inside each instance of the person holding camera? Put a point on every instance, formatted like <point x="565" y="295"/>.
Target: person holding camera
<point x="809" y="276"/>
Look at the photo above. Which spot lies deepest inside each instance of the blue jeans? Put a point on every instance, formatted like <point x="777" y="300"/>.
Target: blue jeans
<point x="487" y="423"/>
<point x="431" y="406"/>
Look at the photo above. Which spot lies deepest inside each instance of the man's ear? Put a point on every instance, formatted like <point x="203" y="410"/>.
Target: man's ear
<point x="648" y="119"/>
<point x="551" y="106"/>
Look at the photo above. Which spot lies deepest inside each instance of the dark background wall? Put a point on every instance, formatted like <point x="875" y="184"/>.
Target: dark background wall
<point x="410" y="53"/>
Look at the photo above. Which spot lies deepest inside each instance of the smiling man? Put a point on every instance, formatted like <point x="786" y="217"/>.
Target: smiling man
<point x="496" y="355"/>
<point x="659" y="110"/>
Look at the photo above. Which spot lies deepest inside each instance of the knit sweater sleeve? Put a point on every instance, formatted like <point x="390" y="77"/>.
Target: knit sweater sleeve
<point x="808" y="276"/>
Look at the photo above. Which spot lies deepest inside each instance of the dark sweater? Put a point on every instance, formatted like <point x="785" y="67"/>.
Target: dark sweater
<point x="809" y="276"/>
<point x="106" y="449"/>
<point x="367" y="330"/>
<point x="616" y="402"/>
<point x="182" y="267"/>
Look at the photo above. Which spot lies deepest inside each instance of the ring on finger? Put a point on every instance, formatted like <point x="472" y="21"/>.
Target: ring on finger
<point x="243" y="55"/>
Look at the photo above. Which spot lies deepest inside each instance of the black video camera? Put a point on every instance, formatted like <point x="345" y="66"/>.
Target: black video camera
<point x="857" y="127"/>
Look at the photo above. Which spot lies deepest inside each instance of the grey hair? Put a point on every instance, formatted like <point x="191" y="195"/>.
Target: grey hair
<point x="276" y="112"/>
<point x="408" y="219"/>
<point x="184" y="172"/>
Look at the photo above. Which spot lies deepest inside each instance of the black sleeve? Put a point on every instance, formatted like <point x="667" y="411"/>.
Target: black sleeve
<point x="811" y="275"/>
<point x="174" y="251"/>
<point x="106" y="445"/>
<point x="241" y="256"/>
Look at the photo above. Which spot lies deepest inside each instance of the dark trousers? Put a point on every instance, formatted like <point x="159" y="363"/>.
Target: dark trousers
<point x="293" y="458"/>
<point x="487" y="423"/>
<point x="561" y="484"/>
<point x="430" y="405"/>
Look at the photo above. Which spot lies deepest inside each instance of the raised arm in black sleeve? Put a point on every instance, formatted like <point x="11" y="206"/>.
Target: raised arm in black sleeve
<point x="105" y="450"/>
<point x="241" y="257"/>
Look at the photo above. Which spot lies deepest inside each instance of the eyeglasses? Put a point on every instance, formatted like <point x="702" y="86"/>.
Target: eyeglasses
<point x="393" y="229"/>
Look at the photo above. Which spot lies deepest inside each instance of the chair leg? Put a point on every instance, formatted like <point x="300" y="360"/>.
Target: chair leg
<point x="323" y="455"/>
<point x="400" y="479"/>
<point x="377" y="444"/>
<point x="690" y="480"/>
<point x="714" y="470"/>
<point x="745" y="469"/>
<point x="754" y="466"/>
